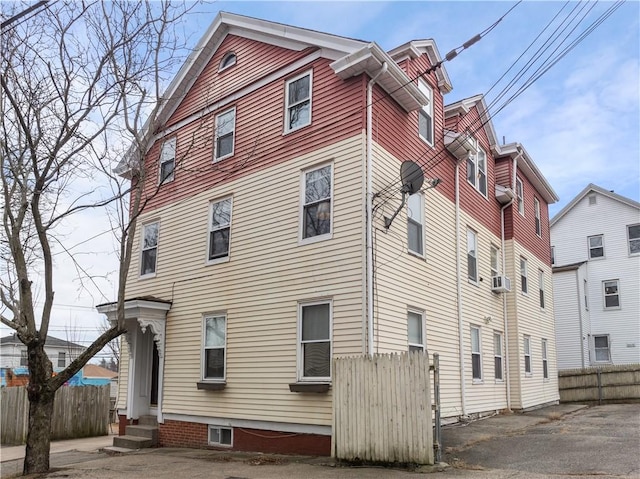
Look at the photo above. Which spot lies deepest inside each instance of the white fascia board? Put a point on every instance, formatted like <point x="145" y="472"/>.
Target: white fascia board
<point x="414" y="49"/>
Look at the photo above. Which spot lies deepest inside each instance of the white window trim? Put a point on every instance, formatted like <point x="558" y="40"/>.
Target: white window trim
<point x="544" y="345"/>
<point x="161" y="161"/>
<point x="501" y="356"/>
<point x="476" y="166"/>
<point x="541" y="291"/>
<point x="553" y="255"/>
<point x="475" y="255"/>
<point x="216" y="136"/>
<point x="218" y="444"/>
<point x="203" y="349"/>
<point x="225" y="58"/>
<point x="426" y="89"/>
<point x="62" y="355"/>
<point x="287" y="106"/>
<point x="300" y="354"/>
<point x="313" y="239"/>
<point x="595" y="357"/>
<point x="142" y="250"/>
<point x="538" y="218"/>
<point x="523" y="290"/>
<point x="589" y="248"/>
<point x="629" y="239"/>
<point x="604" y="295"/>
<point x="222" y="259"/>
<point x="526" y="347"/>
<point x="478" y="353"/>
<point x="422" y="227"/>
<point x="420" y="313"/>
<point x="496" y="271"/>
<point x="520" y="197"/>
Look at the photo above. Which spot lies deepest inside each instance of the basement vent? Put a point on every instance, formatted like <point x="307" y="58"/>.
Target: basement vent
<point x="220" y="436"/>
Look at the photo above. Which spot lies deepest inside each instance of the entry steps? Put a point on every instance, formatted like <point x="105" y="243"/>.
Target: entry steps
<point x="137" y="436"/>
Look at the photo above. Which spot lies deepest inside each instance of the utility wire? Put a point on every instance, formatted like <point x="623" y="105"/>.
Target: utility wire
<point x="24" y="12"/>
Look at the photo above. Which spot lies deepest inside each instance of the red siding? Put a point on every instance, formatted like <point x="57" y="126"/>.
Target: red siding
<point x="337" y="113"/>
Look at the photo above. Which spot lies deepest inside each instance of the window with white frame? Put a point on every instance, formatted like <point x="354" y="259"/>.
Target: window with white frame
<point x="520" y="195"/>
<point x="415" y="331"/>
<point x="62" y="359"/>
<point x="477" y="169"/>
<point x="536" y="207"/>
<point x="314" y="353"/>
<point x="224" y="134"/>
<point x="23" y="358"/>
<point x="602" y="348"/>
<point x="611" y="294"/>
<point x="425" y="115"/>
<point x="527" y="354"/>
<point x="472" y="255"/>
<point x="167" y="161"/>
<point x="215" y="344"/>
<point x="219" y="229"/>
<point x="545" y="362"/>
<point x="149" y="253"/>
<point x="541" y="287"/>
<point x="316" y="209"/>
<point x="476" y="354"/>
<point x="220" y="436"/>
<point x="596" y="246"/>
<point x="227" y="61"/>
<point x="495" y="261"/>
<point x="415" y="223"/>
<point x="298" y="102"/>
<point x="497" y="356"/>
<point x="633" y="235"/>
<point x="553" y="255"/>
<point x="524" y="286"/>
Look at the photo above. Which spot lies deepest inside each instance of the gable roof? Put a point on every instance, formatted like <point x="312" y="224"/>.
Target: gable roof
<point x="595" y="189"/>
<point x="51" y="341"/>
<point x="95" y="371"/>
<point x="463" y="106"/>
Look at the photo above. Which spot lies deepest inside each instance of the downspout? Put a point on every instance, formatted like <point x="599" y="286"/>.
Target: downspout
<point x="580" y="316"/>
<point x="459" y="293"/>
<point x="369" y="224"/>
<point x="504" y="296"/>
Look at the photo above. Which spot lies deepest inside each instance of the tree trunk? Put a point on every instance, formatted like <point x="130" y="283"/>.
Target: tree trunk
<point x="36" y="459"/>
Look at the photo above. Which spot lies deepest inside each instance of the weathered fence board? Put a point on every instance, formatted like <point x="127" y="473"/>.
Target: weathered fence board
<point x="77" y="412"/>
<point x="382" y="409"/>
<point x="601" y="384"/>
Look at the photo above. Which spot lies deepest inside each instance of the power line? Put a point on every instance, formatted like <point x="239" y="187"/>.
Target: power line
<point x="24" y="12"/>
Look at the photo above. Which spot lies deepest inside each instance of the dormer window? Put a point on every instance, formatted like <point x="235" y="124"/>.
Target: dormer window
<point x="227" y="61"/>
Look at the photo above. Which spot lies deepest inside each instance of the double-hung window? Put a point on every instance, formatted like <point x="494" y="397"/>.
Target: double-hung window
<point x="541" y="287"/>
<point x="167" y="161"/>
<point x="611" y="294"/>
<point x="425" y="115"/>
<point x="633" y="235"/>
<point x="536" y="207"/>
<point x="23" y="358"/>
<point x="472" y="255"/>
<point x="62" y="359"/>
<point x="545" y="361"/>
<point x="497" y="356"/>
<point x="225" y="134"/>
<point x="495" y="261"/>
<point x="602" y="348"/>
<point x="524" y="286"/>
<point x="596" y="246"/>
<point x="415" y="224"/>
<point x="314" y="354"/>
<point x="477" y="169"/>
<point x="527" y="354"/>
<point x="476" y="354"/>
<point x="149" y="254"/>
<point x="520" y="195"/>
<point x="298" y="102"/>
<point x="415" y="331"/>
<point x="215" y="345"/>
<point x="219" y="229"/>
<point x="316" y="209"/>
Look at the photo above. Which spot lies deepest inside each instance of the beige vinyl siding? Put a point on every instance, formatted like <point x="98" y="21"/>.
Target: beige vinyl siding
<point x="259" y="288"/>
<point x="123" y="374"/>
<point x="532" y="321"/>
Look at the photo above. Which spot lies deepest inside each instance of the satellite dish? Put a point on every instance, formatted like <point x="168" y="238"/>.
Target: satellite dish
<point x="412" y="177"/>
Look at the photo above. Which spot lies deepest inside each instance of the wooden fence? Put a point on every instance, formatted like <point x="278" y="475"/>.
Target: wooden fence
<point x="601" y="384"/>
<point x="382" y="409"/>
<point x="77" y="412"/>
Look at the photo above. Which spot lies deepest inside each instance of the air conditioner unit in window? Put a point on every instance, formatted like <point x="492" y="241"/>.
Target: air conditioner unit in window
<point x="500" y="284"/>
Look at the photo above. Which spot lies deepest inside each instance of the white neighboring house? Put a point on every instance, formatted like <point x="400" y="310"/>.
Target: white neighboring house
<point x="595" y="245"/>
<point x="13" y="353"/>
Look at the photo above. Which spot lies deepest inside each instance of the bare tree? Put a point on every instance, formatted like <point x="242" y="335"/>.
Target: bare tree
<point x="81" y="85"/>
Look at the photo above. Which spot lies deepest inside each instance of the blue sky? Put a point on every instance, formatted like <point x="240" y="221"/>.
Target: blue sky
<point x="580" y="122"/>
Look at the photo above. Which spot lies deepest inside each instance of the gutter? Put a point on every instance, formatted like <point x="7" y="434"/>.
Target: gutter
<point x="369" y="199"/>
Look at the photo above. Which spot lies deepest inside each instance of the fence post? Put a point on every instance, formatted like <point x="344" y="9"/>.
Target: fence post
<point x="437" y="445"/>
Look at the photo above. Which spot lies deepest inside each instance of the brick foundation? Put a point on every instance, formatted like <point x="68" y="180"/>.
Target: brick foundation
<point x="190" y="434"/>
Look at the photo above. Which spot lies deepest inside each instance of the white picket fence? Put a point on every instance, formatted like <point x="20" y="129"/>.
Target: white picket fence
<point x="382" y="409"/>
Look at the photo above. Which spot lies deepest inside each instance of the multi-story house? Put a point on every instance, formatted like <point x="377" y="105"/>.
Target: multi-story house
<point x="596" y="279"/>
<point x="272" y="245"/>
<point x="13" y="353"/>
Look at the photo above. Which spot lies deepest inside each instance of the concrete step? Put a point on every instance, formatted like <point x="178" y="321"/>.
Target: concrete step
<point x="150" y="432"/>
<point x="148" y="421"/>
<point x="117" y="450"/>
<point x="132" y="442"/>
